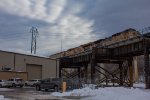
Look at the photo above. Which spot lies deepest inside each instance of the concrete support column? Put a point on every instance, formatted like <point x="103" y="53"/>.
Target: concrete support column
<point x="130" y="72"/>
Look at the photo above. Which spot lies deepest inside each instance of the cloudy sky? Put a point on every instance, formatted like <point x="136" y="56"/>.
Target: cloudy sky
<point x="74" y="22"/>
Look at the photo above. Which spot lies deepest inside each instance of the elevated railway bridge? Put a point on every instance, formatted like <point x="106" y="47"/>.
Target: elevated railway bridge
<point x="115" y="53"/>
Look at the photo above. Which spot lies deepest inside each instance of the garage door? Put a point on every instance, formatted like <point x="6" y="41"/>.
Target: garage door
<point x="34" y="71"/>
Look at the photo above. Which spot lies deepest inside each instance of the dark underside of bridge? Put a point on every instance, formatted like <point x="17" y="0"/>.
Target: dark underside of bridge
<point x="116" y="53"/>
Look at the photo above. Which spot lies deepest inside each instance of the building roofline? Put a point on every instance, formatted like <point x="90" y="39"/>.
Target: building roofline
<point x="27" y="55"/>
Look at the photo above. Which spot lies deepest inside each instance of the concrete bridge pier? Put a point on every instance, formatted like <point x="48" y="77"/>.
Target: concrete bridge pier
<point x="130" y="72"/>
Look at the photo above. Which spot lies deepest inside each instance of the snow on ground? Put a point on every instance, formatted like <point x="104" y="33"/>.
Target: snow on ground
<point x="4" y="90"/>
<point x="108" y="93"/>
<point x="1" y="97"/>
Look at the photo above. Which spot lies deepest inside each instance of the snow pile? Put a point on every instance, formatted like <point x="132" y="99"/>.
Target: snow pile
<point x="1" y="97"/>
<point x="139" y="85"/>
<point x="108" y="93"/>
<point x="77" y="92"/>
<point x="92" y="86"/>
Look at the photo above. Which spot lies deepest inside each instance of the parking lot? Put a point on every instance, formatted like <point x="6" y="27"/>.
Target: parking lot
<point x="27" y="93"/>
<point x="17" y="89"/>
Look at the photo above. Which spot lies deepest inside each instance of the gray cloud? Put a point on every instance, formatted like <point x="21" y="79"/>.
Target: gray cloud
<point x="114" y="16"/>
<point x="73" y="21"/>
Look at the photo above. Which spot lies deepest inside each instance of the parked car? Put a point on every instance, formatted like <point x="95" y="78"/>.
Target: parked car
<point x="14" y="82"/>
<point x="48" y="84"/>
<point x="3" y="83"/>
<point x="32" y="82"/>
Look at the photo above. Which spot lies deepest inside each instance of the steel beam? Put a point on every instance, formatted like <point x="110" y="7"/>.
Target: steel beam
<point x="86" y="73"/>
<point x="60" y="72"/>
<point x="146" y="66"/>
<point x="79" y="72"/>
<point x="121" y="74"/>
<point x="93" y="64"/>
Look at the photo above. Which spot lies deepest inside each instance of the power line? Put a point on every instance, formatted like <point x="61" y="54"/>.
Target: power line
<point x="13" y="33"/>
<point x="20" y="34"/>
<point x="17" y="35"/>
<point x="48" y="37"/>
<point x="13" y="36"/>
<point x="11" y="39"/>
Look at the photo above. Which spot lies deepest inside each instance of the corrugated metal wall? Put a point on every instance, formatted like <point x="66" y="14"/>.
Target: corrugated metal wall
<point x="34" y="71"/>
<point x="40" y="67"/>
<point x="5" y="75"/>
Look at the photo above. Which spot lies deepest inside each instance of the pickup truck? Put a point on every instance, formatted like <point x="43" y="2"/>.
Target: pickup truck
<point x="48" y="84"/>
<point x="56" y="83"/>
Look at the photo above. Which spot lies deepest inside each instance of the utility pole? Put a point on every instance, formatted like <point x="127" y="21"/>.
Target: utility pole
<point x="34" y="33"/>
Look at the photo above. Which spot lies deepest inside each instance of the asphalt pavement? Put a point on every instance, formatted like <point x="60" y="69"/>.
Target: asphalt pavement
<point x="27" y="93"/>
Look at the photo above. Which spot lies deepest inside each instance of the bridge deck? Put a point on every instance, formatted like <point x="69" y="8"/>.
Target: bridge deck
<point x="117" y="51"/>
<point x="112" y="53"/>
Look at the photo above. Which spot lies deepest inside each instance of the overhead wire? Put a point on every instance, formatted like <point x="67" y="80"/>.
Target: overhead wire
<point x="23" y="35"/>
<point x="47" y="36"/>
